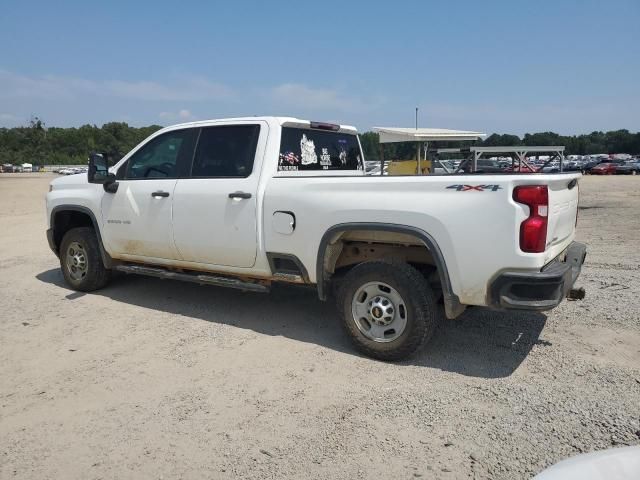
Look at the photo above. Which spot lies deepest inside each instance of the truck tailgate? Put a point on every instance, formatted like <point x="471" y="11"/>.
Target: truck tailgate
<point x="563" y="211"/>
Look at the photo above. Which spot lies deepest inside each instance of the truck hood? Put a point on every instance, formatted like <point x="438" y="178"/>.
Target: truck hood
<point x="77" y="180"/>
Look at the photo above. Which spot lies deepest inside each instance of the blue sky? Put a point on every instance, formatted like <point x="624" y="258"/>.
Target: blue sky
<point x="505" y="66"/>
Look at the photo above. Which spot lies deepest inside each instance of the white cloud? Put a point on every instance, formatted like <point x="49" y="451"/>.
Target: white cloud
<point x="187" y="89"/>
<point x="72" y="101"/>
<point x="9" y="120"/>
<point x="63" y="100"/>
<point x="182" y="115"/>
<point x="51" y="87"/>
<point x="519" y="119"/>
<point x="308" y="98"/>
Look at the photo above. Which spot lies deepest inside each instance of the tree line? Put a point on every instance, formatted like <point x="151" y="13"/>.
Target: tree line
<point x="39" y="145"/>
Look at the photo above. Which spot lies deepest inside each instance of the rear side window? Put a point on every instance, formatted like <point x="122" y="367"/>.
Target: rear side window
<point x="226" y="151"/>
<point x="304" y="149"/>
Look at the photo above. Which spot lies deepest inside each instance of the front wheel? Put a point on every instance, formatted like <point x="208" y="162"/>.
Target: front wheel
<point x="388" y="309"/>
<point x="81" y="262"/>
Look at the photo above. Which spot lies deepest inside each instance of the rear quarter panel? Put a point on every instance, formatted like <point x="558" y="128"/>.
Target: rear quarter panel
<point x="477" y="229"/>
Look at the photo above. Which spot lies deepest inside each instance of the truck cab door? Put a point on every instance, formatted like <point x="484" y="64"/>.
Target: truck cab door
<point x="137" y="217"/>
<point x="215" y="207"/>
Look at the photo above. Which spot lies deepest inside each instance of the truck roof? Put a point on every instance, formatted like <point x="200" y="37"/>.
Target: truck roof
<point x="282" y="121"/>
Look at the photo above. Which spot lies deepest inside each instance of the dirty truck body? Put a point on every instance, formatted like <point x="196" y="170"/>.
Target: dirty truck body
<point x="251" y="201"/>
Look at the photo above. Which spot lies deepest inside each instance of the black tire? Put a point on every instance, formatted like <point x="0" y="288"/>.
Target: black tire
<point x="95" y="275"/>
<point x="418" y="297"/>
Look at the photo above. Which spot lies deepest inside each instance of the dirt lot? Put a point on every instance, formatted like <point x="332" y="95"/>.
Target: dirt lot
<point x="158" y="379"/>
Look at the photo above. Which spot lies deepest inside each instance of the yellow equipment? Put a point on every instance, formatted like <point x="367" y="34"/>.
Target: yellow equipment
<point x="408" y="167"/>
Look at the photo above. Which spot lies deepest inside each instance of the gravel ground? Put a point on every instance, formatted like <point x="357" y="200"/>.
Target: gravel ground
<point x="159" y="379"/>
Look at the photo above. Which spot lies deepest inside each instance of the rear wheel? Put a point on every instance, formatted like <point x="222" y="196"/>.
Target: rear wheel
<point x="81" y="262"/>
<point x="388" y="309"/>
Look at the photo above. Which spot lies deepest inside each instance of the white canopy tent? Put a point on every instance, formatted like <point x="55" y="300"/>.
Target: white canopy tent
<point x="423" y="136"/>
<point x="397" y="134"/>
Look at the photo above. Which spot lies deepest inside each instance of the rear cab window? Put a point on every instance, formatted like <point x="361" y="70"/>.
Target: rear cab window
<point x="225" y="151"/>
<point x="310" y="150"/>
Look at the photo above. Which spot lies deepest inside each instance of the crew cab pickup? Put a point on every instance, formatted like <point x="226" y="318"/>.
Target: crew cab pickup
<point x="247" y="202"/>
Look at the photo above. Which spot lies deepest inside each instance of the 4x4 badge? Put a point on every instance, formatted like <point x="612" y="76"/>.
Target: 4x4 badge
<point x="479" y="188"/>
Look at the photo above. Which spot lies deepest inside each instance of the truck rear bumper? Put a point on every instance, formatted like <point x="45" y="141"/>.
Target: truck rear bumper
<point x="541" y="290"/>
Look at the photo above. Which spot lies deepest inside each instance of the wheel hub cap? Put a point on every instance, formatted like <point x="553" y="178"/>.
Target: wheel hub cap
<point x="76" y="261"/>
<point x="379" y="312"/>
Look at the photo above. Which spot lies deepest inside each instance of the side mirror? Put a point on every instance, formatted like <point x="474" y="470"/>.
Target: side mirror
<point x="98" y="169"/>
<point x="98" y="172"/>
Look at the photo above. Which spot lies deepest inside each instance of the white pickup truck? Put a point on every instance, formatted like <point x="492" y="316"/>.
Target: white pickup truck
<point x="250" y="201"/>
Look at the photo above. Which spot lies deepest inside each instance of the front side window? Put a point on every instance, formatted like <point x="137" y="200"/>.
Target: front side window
<point x="161" y="157"/>
<point x="306" y="149"/>
<point x="226" y="151"/>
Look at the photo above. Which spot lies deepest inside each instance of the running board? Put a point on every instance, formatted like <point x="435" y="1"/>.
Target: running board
<point x="202" y="279"/>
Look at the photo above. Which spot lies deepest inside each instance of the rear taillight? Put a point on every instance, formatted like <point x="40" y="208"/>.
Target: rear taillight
<point x="533" y="231"/>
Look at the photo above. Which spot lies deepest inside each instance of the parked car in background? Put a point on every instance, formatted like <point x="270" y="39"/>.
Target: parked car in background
<point x="572" y="166"/>
<point x="6" y="168"/>
<point x="72" y="171"/>
<point x="588" y="165"/>
<point x="444" y="167"/>
<point x="628" y="168"/>
<point x="604" y="168"/>
<point x="484" y="166"/>
<point x="517" y="168"/>
<point x="551" y="168"/>
<point x="371" y="166"/>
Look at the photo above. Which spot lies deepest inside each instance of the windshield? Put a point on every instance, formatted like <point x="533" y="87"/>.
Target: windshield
<point x="306" y="149"/>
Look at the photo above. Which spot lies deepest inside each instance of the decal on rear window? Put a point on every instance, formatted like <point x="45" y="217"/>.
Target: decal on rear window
<point x="306" y="149"/>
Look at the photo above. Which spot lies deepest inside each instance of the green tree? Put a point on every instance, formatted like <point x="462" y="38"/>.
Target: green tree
<point x="37" y="144"/>
<point x="370" y="142"/>
<point x="496" y="140"/>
